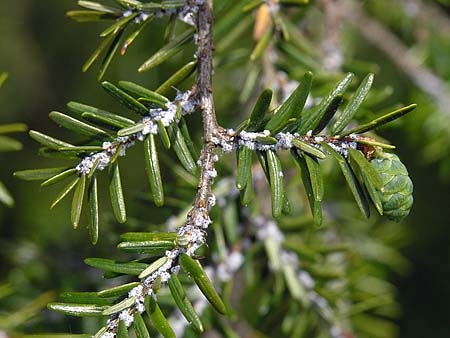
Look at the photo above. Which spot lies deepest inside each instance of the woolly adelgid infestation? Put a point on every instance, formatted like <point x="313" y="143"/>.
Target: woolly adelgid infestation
<point x="302" y="127"/>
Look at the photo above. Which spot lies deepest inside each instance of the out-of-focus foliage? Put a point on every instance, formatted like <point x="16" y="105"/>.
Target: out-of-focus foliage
<point x="8" y="144"/>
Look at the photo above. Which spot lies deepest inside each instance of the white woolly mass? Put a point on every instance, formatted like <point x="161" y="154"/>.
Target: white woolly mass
<point x="175" y="269"/>
<point x="188" y="105"/>
<point x="135" y="292"/>
<point x="187" y="17"/>
<point x="343" y="147"/>
<point x="112" y="324"/>
<point x="226" y="147"/>
<point x="166" y="115"/>
<point x="165" y="276"/>
<point x="104" y="157"/>
<point x="211" y="201"/>
<point x="283" y="141"/>
<point x="196" y="235"/>
<point x="140" y="307"/>
<point x="202" y="221"/>
<point x="126" y="317"/>
<point x="108" y="335"/>
<point x="141" y="17"/>
<point x="211" y="173"/>
<point x="188" y="14"/>
<point x="197" y="240"/>
<point x="172" y="254"/>
<point x="318" y="139"/>
<point x="127" y="13"/>
<point x="164" y="270"/>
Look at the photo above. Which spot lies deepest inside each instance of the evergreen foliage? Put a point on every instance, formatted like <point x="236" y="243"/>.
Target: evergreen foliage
<point x="297" y="270"/>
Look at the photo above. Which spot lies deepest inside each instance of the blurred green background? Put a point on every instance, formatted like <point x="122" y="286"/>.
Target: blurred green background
<point x="43" y="52"/>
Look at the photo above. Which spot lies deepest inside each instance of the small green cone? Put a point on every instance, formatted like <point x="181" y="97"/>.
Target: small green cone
<point x="396" y="193"/>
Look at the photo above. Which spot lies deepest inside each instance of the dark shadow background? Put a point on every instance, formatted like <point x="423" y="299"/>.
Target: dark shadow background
<point x="43" y="52"/>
